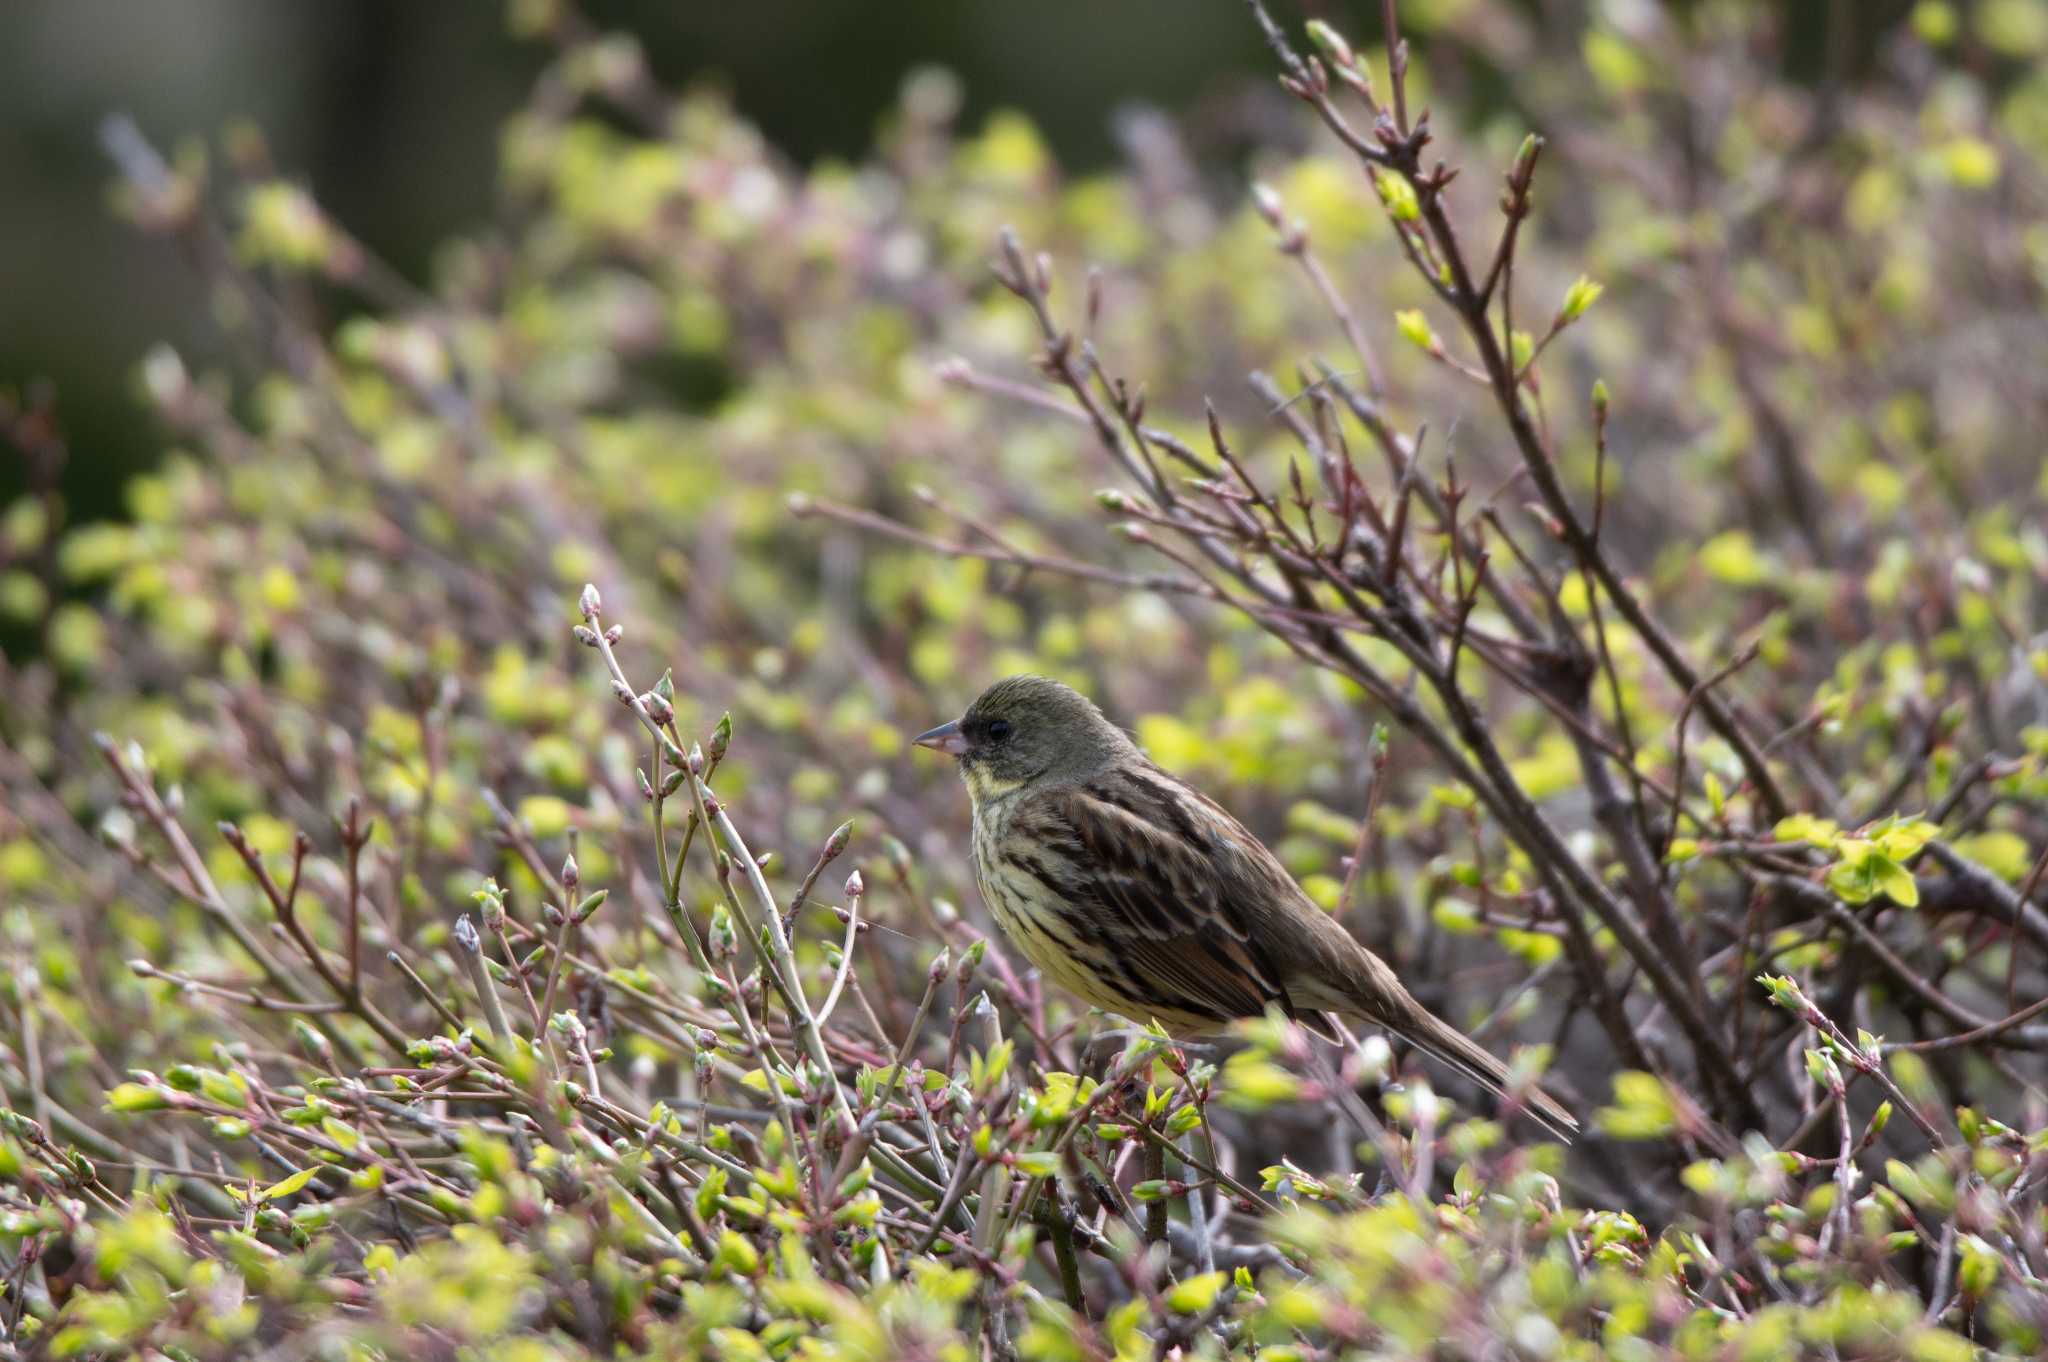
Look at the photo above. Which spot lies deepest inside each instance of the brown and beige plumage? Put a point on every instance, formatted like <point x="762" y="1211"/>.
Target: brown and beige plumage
<point x="1142" y="896"/>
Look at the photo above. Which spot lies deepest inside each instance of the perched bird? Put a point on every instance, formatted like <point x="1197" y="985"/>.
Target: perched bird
<point x="1139" y="894"/>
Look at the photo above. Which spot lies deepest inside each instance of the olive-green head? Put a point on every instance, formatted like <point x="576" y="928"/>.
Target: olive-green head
<point x="1029" y="728"/>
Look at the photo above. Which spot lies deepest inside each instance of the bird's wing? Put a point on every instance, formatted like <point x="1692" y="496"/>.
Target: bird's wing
<point x="1183" y="895"/>
<point x="1162" y="878"/>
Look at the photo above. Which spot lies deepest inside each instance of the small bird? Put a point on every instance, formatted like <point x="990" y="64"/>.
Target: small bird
<point x="1139" y="894"/>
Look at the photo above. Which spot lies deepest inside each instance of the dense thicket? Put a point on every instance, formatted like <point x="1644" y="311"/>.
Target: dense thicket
<point x="1598" y="542"/>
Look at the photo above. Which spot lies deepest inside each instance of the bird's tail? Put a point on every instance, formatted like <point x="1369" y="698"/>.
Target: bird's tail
<point x="1448" y="1045"/>
<point x="1348" y="979"/>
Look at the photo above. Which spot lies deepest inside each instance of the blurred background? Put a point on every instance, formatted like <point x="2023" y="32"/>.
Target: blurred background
<point x="390" y="113"/>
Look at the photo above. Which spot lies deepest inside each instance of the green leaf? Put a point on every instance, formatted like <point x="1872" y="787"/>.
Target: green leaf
<point x="1940" y="1345"/>
<point x="1534" y="948"/>
<point x="1784" y="990"/>
<point x="1581" y="295"/>
<point x="1455" y="916"/>
<point x="1414" y="329"/>
<point x="1399" y="196"/>
<point x="1733" y="557"/>
<point x="1804" y="827"/>
<point x="1195" y="1294"/>
<point x="2004" y="854"/>
<point x="1642" y="1107"/>
<point x="1969" y="162"/>
<point x="1821" y="1068"/>
<point x="1852" y="881"/>
<point x="1895" y="880"/>
<point x="134" y="1097"/>
<point x="1902" y="838"/>
<point x="277" y="1191"/>
<point x="737" y="1254"/>
<point x="737" y="1345"/>
<point x="1252" y="1082"/>
<point x="1057" y="1096"/>
<point x="1908" y="1183"/>
<point x="1979" y="1270"/>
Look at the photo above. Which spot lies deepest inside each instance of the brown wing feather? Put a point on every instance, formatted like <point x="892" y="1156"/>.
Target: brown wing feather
<point x="1163" y="879"/>
<point x="1202" y="918"/>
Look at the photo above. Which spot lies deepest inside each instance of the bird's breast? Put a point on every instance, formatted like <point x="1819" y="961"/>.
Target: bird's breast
<point x="1028" y="906"/>
<point x="1027" y="879"/>
<point x="991" y="827"/>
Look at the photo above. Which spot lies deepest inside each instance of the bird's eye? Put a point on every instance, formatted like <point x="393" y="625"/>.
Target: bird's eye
<point x="998" y="729"/>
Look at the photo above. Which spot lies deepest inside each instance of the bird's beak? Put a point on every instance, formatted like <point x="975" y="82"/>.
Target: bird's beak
<point x="945" y="738"/>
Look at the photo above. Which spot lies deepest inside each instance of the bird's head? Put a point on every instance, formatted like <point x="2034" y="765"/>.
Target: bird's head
<point x="1024" y="729"/>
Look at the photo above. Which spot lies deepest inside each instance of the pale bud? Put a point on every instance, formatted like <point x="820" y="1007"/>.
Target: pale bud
<point x="1268" y="205"/>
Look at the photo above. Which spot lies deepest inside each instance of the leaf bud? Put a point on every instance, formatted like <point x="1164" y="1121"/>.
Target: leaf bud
<point x="1331" y="43"/>
<point x="1268" y="204"/>
<point x="837" y="842"/>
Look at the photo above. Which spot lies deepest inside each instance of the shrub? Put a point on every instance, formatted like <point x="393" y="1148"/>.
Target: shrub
<point x="379" y="988"/>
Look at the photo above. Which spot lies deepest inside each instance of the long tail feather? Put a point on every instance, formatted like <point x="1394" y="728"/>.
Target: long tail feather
<point x="1344" y="977"/>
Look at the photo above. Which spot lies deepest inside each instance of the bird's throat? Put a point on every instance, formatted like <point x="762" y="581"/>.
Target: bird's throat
<point x="984" y="789"/>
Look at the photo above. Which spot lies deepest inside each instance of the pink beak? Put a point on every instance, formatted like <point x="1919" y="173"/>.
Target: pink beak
<point x="945" y="738"/>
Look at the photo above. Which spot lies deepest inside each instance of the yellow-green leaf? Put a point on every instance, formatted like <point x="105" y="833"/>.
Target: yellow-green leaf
<point x="279" y="1190"/>
<point x="1195" y="1294"/>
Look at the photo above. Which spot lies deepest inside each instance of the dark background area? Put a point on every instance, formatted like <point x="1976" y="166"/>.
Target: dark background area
<point x="390" y="112"/>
